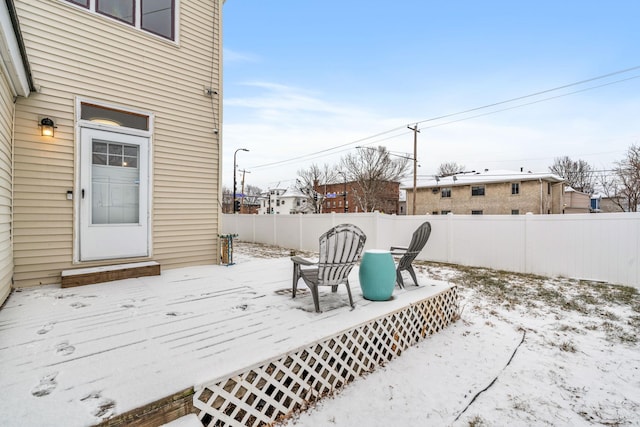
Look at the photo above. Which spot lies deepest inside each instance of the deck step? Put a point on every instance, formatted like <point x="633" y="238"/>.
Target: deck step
<point x="107" y="273"/>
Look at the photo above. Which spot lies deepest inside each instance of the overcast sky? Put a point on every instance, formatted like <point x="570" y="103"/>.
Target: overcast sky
<point x="308" y="81"/>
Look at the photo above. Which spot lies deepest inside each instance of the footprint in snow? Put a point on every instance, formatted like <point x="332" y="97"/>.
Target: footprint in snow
<point x="47" y="385"/>
<point x="78" y="305"/>
<point x="103" y="407"/>
<point x="176" y="313"/>
<point x="45" y="329"/>
<point x="65" y="349"/>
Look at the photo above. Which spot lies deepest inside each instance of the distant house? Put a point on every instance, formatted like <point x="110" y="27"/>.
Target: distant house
<point x="285" y="201"/>
<point x="349" y="197"/>
<point x="614" y="204"/>
<point x="576" y="201"/>
<point x="109" y="149"/>
<point x="498" y="192"/>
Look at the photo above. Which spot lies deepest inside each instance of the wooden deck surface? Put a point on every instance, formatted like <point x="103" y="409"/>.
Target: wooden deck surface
<point x="77" y="356"/>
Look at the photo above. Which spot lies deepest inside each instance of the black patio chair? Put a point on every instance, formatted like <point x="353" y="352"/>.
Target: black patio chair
<point x="340" y="250"/>
<point x="418" y="240"/>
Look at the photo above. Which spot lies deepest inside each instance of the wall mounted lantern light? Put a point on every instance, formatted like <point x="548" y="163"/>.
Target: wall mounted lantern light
<point x="47" y="127"/>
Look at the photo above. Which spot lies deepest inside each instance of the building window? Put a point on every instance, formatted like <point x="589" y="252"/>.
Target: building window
<point x="515" y="188"/>
<point x="153" y="16"/>
<point x="445" y="212"/>
<point x="446" y="192"/>
<point x="548" y="188"/>
<point x="476" y="212"/>
<point x="434" y="213"/>
<point x="157" y="17"/>
<point x="515" y="211"/>
<point x="122" y="10"/>
<point x="113" y="117"/>
<point x="477" y="190"/>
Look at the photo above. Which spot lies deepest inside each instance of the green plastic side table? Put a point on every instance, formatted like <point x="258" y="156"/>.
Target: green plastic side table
<point x="377" y="275"/>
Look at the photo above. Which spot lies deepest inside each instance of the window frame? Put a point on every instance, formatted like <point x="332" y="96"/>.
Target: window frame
<point x="477" y="212"/>
<point x="445" y="193"/>
<point x="476" y="190"/>
<point x="515" y="186"/>
<point x="92" y="7"/>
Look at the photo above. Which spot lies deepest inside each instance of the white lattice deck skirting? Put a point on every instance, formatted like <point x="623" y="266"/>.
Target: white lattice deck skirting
<point x="276" y="388"/>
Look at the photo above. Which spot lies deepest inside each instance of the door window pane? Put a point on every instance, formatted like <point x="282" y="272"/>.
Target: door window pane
<point x="122" y="10"/>
<point x="99" y="154"/>
<point x="157" y="17"/>
<point x="115" y="186"/>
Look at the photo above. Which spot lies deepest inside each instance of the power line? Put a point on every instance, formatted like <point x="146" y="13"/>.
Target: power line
<point x="343" y="147"/>
<point x="529" y="103"/>
<point x="536" y="94"/>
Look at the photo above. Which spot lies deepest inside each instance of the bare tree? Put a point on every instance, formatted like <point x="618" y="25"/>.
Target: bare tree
<point x="578" y="174"/>
<point x="251" y="193"/>
<point x="623" y="187"/>
<point x="227" y="200"/>
<point x="371" y="171"/>
<point x="308" y="179"/>
<point x="449" y="168"/>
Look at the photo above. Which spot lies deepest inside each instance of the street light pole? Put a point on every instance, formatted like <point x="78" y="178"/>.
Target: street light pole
<point x="344" y="193"/>
<point x="234" y="177"/>
<point x="415" y="164"/>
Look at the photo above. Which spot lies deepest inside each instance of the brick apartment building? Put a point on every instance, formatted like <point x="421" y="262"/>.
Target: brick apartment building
<point x="498" y="192"/>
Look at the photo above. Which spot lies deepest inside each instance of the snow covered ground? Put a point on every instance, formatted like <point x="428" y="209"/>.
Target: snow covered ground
<point x="527" y="350"/>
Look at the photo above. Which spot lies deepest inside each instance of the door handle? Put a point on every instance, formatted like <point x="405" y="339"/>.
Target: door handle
<point x="82" y="193"/>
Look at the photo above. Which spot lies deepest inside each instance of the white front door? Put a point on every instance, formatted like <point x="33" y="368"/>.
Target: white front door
<point x="114" y="195"/>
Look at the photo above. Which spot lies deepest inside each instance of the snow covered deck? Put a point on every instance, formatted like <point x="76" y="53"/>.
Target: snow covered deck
<point x="80" y="356"/>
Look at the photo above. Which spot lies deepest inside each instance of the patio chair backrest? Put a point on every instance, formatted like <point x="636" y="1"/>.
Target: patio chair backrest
<point x="340" y="250"/>
<point x="418" y="240"/>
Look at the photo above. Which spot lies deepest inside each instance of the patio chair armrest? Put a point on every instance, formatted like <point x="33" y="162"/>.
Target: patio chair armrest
<point x="398" y="250"/>
<point x="302" y="261"/>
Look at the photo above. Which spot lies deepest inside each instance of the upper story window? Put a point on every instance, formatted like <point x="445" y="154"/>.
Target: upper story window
<point x="446" y="192"/>
<point x="515" y="188"/>
<point x="154" y="16"/>
<point x="477" y="190"/>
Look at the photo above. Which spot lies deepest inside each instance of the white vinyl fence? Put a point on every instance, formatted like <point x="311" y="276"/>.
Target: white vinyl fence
<point x="601" y="247"/>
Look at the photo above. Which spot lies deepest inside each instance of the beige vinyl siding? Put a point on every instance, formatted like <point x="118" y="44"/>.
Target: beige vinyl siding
<point x="74" y="53"/>
<point x="6" y="127"/>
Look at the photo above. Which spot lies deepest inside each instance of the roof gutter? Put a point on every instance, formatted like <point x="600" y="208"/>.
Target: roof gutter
<point x="14" y="53"/>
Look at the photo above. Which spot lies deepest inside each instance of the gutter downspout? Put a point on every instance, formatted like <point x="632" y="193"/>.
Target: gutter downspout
<point x="541" y="193"/>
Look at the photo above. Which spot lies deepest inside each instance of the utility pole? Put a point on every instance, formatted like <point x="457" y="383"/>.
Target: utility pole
<point x="242" y="189"/>
<point x="415" y="164"/>
<point x="235" y="207"/>
<point x="344" y="191"/>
